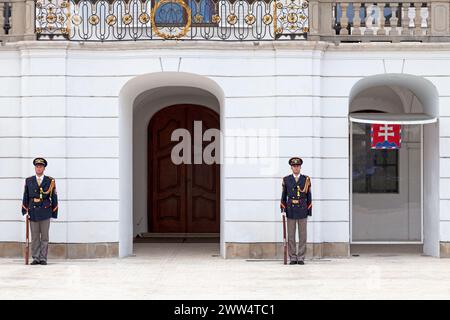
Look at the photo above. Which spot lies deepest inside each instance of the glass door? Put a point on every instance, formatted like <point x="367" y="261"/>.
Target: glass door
<point x="386" y="187"/>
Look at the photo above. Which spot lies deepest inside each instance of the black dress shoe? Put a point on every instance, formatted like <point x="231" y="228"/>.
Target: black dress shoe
<point x="301" y="262"/>
<point x="35" y="262"/>
<point x="44" y="263"/>
<point x="293" y="262"/>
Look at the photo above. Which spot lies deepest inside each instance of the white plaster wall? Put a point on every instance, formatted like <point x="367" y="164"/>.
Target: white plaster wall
<point x="76" y="133"/>
<point x="61" y="101"/>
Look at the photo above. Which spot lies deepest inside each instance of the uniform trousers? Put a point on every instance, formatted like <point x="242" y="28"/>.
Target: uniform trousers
<point x="39" y="239"/>
<point x="292" y="224"/>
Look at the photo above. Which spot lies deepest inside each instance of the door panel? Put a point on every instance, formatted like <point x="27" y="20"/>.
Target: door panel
<point x="203" y="182"/>
<point x="167" y="195"/>
<point x="184" y="198"/>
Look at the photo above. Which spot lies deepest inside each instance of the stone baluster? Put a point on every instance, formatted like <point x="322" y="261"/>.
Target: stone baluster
<point x="5" y="18"/>
<point x="334" y="22"/>
<point x="2" y="19"/>
<point x="21" y="20"/>
<point x="418" y="19"/>
<point x="344" y="19"/>
<point x="405" y="19"/>
<point x="426" y="20"/>
<point x="369" y="20"/>
<point x="356" y="19"/>
<point x="382" y="20"/>
<point x="394" y="20"/>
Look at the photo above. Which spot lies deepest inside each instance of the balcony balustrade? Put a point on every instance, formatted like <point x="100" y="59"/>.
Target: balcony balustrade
<point x="230" y="20"/>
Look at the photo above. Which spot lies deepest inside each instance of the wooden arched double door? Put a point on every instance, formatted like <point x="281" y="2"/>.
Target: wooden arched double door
<point x="183" y="198"/>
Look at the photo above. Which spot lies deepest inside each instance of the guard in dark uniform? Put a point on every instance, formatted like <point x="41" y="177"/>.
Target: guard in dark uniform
<point x="296" y="202"/>
<point x="40" y="202"/>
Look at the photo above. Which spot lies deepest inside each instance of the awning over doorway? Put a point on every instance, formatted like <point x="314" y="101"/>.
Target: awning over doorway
<point x="392" y="118"/>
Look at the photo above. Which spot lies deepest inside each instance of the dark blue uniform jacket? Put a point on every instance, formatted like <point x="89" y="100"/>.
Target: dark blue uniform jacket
<point x="296" y="197"/>
<point x="41" y="203"/>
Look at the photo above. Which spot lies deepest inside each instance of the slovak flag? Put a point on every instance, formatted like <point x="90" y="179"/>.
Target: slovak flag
<point x="385" y="136"/>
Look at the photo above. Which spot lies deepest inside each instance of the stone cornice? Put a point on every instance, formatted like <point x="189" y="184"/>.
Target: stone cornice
<point x="224" y="45"/>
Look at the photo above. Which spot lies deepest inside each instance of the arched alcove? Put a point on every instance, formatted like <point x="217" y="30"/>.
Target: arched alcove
<point x="139" y="99"/>
<point x="412" y="102"/>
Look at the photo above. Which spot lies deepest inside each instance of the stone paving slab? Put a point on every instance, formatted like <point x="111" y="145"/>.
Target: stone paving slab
<point x="195" y="271"/>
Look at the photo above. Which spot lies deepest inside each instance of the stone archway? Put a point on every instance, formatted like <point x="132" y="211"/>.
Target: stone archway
<point x="139" y="99"/>
<point x="406" y="99"/>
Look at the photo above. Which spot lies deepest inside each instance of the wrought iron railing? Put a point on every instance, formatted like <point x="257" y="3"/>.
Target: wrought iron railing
<point x="107" y="20"/>
<point x="235" y="20"/>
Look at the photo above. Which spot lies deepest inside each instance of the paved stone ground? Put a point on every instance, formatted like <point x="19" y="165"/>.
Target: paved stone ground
<point x="194" y="271"/>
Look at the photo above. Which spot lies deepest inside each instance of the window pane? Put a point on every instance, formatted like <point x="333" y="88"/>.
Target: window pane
<point x="374" y="170"/>
<point x="384" y="180"/>
<point x="359" y="183"/>
<point x="359" y="158"/>
<point x="391" y="157"/>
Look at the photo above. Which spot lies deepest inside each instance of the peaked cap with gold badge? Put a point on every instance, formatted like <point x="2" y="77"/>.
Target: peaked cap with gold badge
<point x="40" y="161"/>
<point x="295" y="161"/>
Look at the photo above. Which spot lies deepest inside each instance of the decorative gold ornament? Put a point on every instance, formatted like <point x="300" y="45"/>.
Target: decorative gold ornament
<point x="198" y="18"/>
<point x="77" y="20"/>
<point x="144" y="18"/>
<point x="94" y="19"/>
<point x="232" y="19"/>
<point x="127" y="19"/>
<point x="51" y="18"/>
<point x="267" y="19"/>
<point x="250" y="19"/>
<point x="215" y="18"/>
<point x="184" y="29"/>
<point x="292" y="18"/>
<point x="111" y="20"/>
